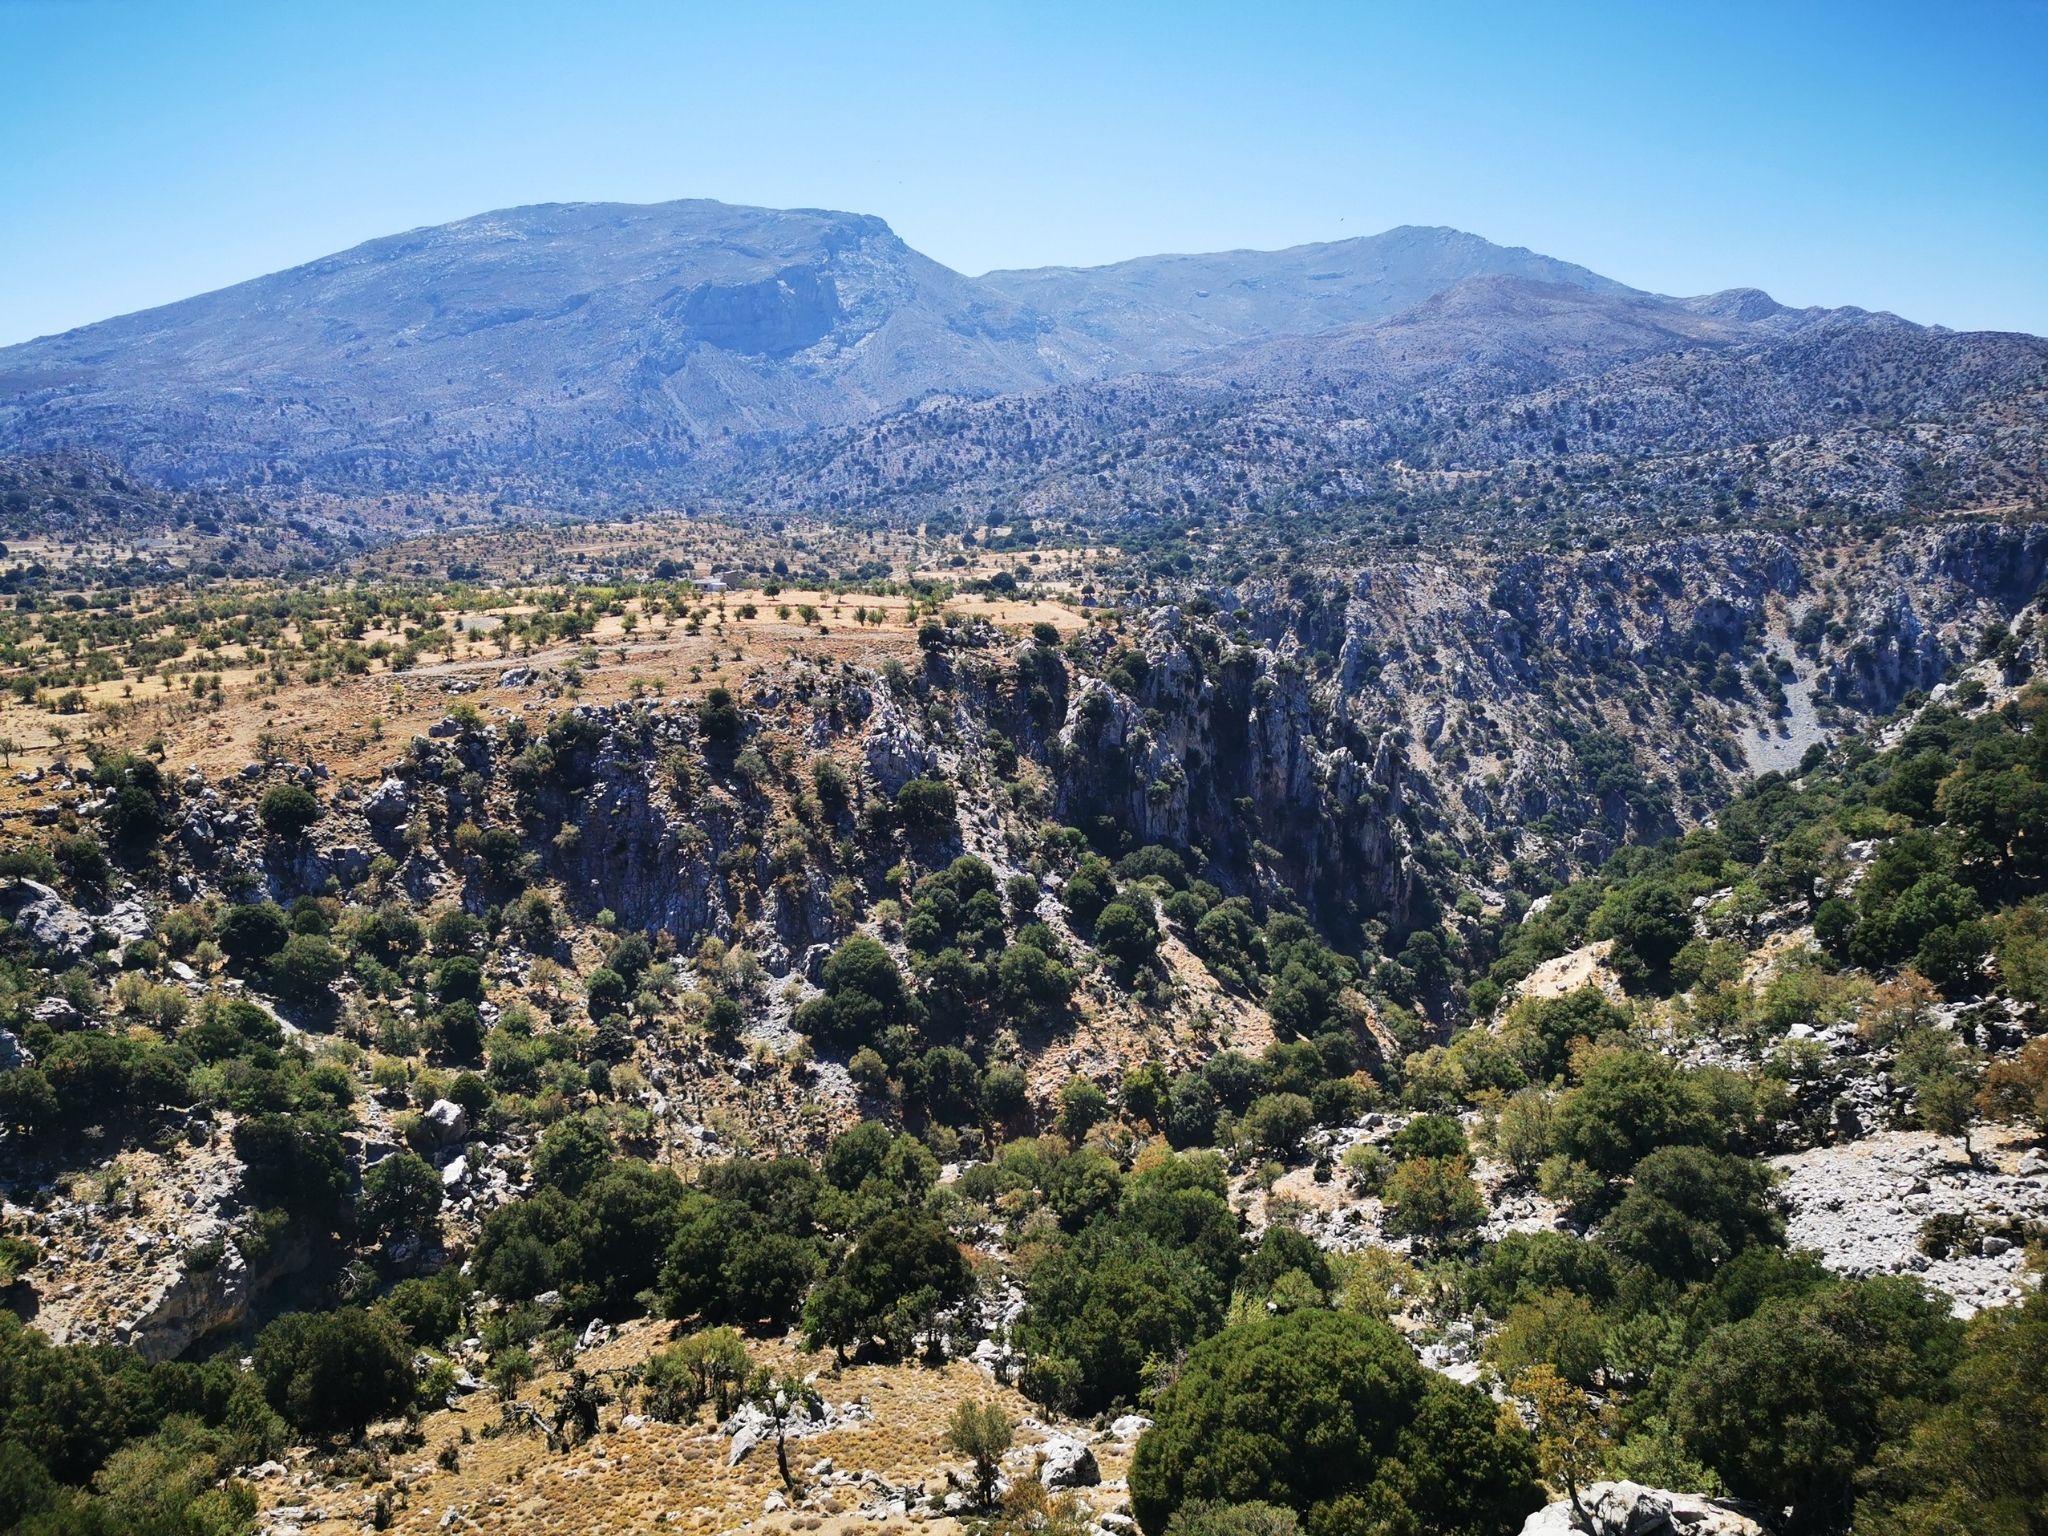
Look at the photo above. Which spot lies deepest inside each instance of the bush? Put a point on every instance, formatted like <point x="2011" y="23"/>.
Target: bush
<point x="288" y="809"/>
<point x="926" y="806"/>
<point x="295" y="1163"/>
<point x="719" y="718"/>
<point x="1629" y="1104"/>
<point x="333" y="1371"/>
<point x="1125" y="931"/>
<point x="1329" y="1415"/>
<point x="707" y="1367"/>
<point x="459" y="979"/>
<point x="428" y="1311"/>
<point x="1785" y="1405"/>
<point x="1107" y="1306"/>
<point x="2017" y="1087"/>
<point x="1282" y="1252"/>
<point x="1649" y="922"/>
<point x="1082" y="1107"/>
<point x="981" y="1432"/>
<point x="305" y="970"/>
<point x="902" y="1273"/>
<point x="1557" y="1328"/>
<point x="1005" y="1096"/>
<point x="1974" y="1463"/>
<point x="1689" y="1210"/>
<point x="570" y="1155"/>
<point x="28" y="1103"/>
<point x="247" y="934"/>
<point x="97" y="1078"/>
<point x="1276" y="1123"/>
<point x="401" y="1201"/>
<point x="1432" y="1198"/>
<point x="864" y="995"/>
<point x="1190" y="1111"/>
<point x="1087" y="891"/>
<point x="1429" y="1136"/>
<point x="1031" y="984"/>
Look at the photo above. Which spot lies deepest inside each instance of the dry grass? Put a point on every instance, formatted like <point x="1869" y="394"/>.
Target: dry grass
<point x="672" y="1477"/>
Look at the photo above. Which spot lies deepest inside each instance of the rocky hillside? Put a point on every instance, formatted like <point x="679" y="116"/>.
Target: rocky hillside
<point x="80" y="521"/>
<point x="612" y="1106"/>
<point x="1499" y="407"/>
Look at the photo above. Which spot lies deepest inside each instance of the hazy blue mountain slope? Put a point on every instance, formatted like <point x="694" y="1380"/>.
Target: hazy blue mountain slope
<point x="1161" y="311"/>
<point x="695" y="347"/>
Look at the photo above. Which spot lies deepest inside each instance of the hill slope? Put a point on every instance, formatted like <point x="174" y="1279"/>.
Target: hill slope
<point x="1157" y="312"/>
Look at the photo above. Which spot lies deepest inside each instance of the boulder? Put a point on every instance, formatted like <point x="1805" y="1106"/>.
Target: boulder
<point x="49" y="922"/>
<point x="1066" y="1463"/>
<point x="126" y="922"/>
<point x="446" y="1121"/>
<point x="195" y="830"/>
<point x="1629" y="1509"/>
<point x="388" y="805"/>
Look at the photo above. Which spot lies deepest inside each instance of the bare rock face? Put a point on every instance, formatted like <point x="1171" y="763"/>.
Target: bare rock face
<point x="162" y="1269"/>
<point x="1586" y="966"/>
<point x="894" y="751"/>
<point x="56" y="928"/>
<point x="1629" y="1509"/>
<point x="1867" y="1207"/>
<point x="185" y="1305"/>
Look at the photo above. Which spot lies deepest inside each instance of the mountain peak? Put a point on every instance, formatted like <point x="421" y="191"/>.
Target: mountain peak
<point x="639" y="338"/>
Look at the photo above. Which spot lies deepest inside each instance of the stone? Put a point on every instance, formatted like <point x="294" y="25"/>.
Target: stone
<point x="389" y="804"/>
<point x="126" y="922"/>
<point x="1067" y="1463"/>
<point x="1629" y="1509"/>
<point x="446" y="1121"/>
<point x="49" y="922"/>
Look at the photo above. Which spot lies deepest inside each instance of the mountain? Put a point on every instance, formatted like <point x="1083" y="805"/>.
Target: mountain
<point x="1158" y="312"/>
<point x="1492" y="331"/>
<point x="599" y="350"/>
<point x="588" y="341"/>
<point x="575" y="338"/>
<point x="1498" y="403"/>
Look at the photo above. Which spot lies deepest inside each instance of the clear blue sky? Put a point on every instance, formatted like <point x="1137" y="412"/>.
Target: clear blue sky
<point x="1893" y="156"/>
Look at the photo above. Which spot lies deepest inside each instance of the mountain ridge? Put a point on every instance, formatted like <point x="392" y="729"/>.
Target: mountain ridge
<point x="600" y="349"/>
